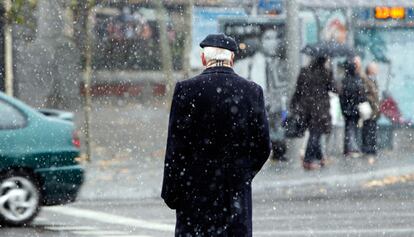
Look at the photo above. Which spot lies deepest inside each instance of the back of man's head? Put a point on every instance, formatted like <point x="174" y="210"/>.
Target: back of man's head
<point x="218" y="54"/>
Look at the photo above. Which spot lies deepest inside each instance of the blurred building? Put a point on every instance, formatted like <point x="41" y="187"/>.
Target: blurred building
<point x="381" y="31"/>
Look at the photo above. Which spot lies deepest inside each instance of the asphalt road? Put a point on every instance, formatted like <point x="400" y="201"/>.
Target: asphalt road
<point x="348" y="198"/>
<point x="387" y="211"/>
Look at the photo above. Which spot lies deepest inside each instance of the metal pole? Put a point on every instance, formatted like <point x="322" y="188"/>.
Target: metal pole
<point x="8" y="50"/>
<point x="188" y="39"/>
<point x="255" y="7"/>
<point x="87" y="85"/>
<point x="351" y="26"/>
<point x="293" y="41"/>
<point x="166" y="58"/>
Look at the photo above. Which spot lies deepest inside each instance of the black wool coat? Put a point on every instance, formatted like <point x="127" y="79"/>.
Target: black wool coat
<point x="218" y="139"/>
<point x="352" y="94"/>
<point x="311" y="98"/>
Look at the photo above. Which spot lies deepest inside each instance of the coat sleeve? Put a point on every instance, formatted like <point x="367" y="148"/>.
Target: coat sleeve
<point x="171" y="187"/>
<point x="261" y="135"/>
<point x="331" y="84"/>
<point x="360" y="92"/>
<point x="299" y="90"/>
<point x="371" y="91"/>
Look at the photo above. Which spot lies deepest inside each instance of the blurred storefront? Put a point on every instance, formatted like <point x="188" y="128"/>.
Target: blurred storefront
<point x="382" y="33"/>
<point x="386" y="34"/>
<point x="127" y="59"/>
<point x="127" y="36"/>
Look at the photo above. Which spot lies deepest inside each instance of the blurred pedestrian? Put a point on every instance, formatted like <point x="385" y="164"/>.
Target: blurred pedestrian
<point x="218" y="140"/>
<point x="352" y="94"/>
<point x="267" y="67"/>
<point x="369" y="128"/>
<point x="311" y="102"/>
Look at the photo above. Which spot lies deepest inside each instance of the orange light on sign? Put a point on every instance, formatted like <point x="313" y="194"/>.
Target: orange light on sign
<point x="382" y="12"/>
<point x="389" y="13"/>
<point x="397" y="13"/>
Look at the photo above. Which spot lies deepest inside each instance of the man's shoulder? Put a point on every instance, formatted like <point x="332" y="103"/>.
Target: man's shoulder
<point x="192" y="81"/>
<point x="251" y="84"/>
<point x="202" y="78"/>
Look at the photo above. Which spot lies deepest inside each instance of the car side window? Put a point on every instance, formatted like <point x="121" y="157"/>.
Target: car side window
<point x="10" y="117"/>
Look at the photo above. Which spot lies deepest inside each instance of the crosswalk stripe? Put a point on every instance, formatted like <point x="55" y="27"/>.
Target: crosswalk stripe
<point x="338" y="216"/>
<point x="127" y="236"/>
<point x="110" y="218"/>
<point x="99" y="232"/>
<point x="69" y="228"/>
<point x="92" y="231"/>
<point x="40" y="219"/>
<point x="378" y="232"/>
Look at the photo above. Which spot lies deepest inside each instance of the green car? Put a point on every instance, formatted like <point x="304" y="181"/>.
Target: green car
<point x="38" y="167"/>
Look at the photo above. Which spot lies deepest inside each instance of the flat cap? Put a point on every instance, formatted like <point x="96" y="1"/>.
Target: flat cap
<point x="219" y="41"/>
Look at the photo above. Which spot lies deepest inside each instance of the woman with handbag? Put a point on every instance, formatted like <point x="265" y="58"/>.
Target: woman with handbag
<point x="353" y="104"/>
<point x="369" y="130"/>
<point x="310" y="103"/>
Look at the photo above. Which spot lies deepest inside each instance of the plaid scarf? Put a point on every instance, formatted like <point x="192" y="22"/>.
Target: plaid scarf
<point x="218" y="63"/>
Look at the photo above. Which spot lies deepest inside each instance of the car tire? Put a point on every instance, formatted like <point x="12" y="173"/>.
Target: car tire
<point x="19" y="198"/>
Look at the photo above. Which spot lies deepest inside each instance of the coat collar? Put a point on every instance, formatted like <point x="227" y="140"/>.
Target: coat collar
<point x="227" y="70"/>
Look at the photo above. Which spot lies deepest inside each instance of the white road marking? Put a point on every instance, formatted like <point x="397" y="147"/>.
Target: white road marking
<point x="92" y="231"/>
<point x="69" y="228"/>
<point x="335" y="232"/>
<point x="110" y="218"/>
<point x="335" y="216"/>
<point x="98" y="232"/>
<point x="40" y="219"/>
<point x="127" y="236"/>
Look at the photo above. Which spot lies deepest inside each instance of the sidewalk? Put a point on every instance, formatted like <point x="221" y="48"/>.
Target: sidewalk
<point x="341" y="175"/>
<point x="128" y="155"/>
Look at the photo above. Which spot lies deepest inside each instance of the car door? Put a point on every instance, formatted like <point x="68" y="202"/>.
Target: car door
<point x="12" y="123"/>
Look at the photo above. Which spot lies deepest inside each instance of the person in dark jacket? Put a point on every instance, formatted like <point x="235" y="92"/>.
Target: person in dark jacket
<point x="369" y="128"/>
<point x="311" y="102"/>
<point x="218" y="140"/>
<point x="352" y="94"/>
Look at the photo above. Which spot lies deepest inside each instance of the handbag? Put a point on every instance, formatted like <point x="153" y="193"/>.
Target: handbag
<point x="295" y="126"/>
<point x="365" y="110"/>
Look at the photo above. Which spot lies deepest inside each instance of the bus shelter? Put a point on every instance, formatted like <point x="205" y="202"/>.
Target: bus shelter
<point x="381" y="31"/>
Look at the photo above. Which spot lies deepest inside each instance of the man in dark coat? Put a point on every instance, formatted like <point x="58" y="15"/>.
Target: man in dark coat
<point x="218" y="140"/>
<point x="311" y="102"/>
<point x="352" y="94"/>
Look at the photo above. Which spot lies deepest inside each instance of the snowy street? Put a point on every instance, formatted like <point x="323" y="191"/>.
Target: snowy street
<point x="206" y="118"/>
<point x="121" y="194"/>
<point x="389" y="211"/>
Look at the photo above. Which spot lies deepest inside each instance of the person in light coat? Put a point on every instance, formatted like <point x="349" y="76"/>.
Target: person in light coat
<point x="369" y="128"/>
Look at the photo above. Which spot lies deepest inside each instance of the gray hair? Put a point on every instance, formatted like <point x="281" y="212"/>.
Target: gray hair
<point x="213" y="53"/>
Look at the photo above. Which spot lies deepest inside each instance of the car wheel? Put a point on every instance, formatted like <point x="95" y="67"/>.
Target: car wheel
<point x="19" y="198"/>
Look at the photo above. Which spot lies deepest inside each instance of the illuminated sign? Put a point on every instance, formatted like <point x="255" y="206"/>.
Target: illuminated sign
<point x="385" y="13"/>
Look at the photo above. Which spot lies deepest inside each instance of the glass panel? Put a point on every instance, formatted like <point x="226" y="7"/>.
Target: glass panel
<point x="10" y="117"/>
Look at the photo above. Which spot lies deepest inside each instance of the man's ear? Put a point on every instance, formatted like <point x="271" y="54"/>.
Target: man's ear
<point x="203" y="59"/>
<point x="232" y="59"/>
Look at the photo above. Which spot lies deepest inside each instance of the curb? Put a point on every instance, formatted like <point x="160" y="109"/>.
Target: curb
<point x="352" y="180"/>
